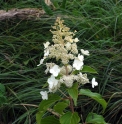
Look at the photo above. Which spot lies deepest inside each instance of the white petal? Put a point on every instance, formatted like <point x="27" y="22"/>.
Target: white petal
<point x="44" y="95"/>
<point x="46" y="52"/>
<point x="46" y="45"/>
<point x="85" y="52"/>
<point x="77" y="64"/>
<point x="55" y="70"/>
<point x="41" y="62"/>
<point x="94" y="83"/>
<point x="80" y="57"/>
<point x="53" y="83"/>
<point x="76" y="40"/>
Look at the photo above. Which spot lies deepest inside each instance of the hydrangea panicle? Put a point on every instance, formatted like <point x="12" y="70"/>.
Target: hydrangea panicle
<point x="64" y="50"/>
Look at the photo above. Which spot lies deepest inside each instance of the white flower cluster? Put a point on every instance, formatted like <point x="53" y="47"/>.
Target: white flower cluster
<point x="64" y="50"/>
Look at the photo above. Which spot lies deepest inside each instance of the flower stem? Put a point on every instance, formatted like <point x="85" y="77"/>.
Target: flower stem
<point x="66" y="70"/>
<point x="71" y="104"/>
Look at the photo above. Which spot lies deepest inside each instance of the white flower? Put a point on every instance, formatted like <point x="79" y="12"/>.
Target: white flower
<point x="85" y="52"/>
<point x="76" y="40"/>
<point x="55" y="70"/>
<point x="46" y="52"/>
<point x="80" y="57"/>
<point x="44" y="95"/>
<point x="78" y="62"/>
<point x="94" y="83"/>
<point x="46" y="45"/>
<point x="41" y="62"/>
<point x="53" y="84"/>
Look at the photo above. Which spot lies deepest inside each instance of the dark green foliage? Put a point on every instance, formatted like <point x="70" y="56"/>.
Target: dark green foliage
<point x="99" y="29"/>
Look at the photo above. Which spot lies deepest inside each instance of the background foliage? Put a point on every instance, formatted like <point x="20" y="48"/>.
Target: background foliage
<point x="98" y="24"/>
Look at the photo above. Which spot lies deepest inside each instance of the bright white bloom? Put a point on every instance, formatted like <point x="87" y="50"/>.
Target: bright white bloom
<point x="80" y="57"/>
<point x="76" y="40"/>
<point x="46" y="45"/>
<point x="94" y="83"/>
<point x="85" y="52"/>
<point x="41" y="62"/>
<point x="44" y="95"/>
<point x="46" y="52"/>
<point x="55" y="70"/>
<point x="78" y="62"/>
<point x="53" y="84"/>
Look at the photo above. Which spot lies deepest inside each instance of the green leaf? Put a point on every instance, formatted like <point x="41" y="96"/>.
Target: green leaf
<point x="39" y="116"/>
<point x="2" y="89"/>
<point x="60" y="106"/>
<point x="3" y="99"/>
<point x="55" y="3"/>
<point x="88" y="69"/>
<point x="50" y="120"/>
<point x="44" y="105"/>
<point x="73" y="92"/>
<point x="93" y="118"/>
<point x="70" y="118"/>
<point x="94" y="96"/>
<point x="26" y="62"/>
<point x="46" y="8"/>
<point x="63" y="4"/>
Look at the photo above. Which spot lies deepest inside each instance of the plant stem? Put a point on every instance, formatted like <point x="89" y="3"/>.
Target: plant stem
<point x="66" y="70"/>
<point x="71" y="104"/>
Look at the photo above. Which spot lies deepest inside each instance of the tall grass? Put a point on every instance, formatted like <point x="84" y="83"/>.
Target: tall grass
<point x="98" y="24"/>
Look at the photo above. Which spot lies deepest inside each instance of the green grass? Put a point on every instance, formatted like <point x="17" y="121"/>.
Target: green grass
<point x="98" y="23"/>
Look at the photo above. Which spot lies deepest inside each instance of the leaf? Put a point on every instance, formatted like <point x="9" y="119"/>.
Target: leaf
<point x="88" y="69"/>
<point x="70" y="118"/>
<point x="93" y="118"/>
<point x="94" y="96"/>
<point x="50" y="120"/>
<point x="44" y="105"/>
<point x="46" y="8"/>
<point x="55" y="3"/>
<point x="63" y="4"/>
<point x="73" y="92"/>
<point x="26" y="62"/>
<point x="60" y="106"/>
<point x="2" y="89"/>
<point x="39" y="116"/>
<point x="3" y="99"/>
